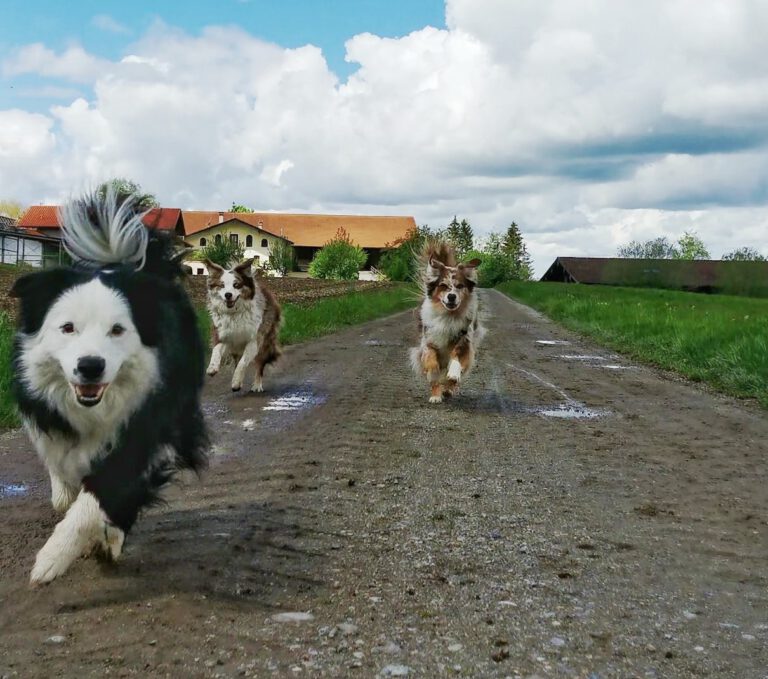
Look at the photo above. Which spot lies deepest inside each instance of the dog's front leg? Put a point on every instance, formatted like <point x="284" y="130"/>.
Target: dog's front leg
<point x="84" y="526"/>
<point x="249" y="354"/>
<point x="218" y="354"/>
<point x="62" y="494"/>
<point x="459" y="363"/>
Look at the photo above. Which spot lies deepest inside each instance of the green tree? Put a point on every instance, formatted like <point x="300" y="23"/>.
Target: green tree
<point x="282" y="257"/>
<point x="745" y="254"/>
<point x="513" y="245"/>
<point x="398" y="262"/>
<point x="657" y="248"/>
<point x="240" y="208"/>
<point x="338" y="259"/>
<point x="690" y="246"/>
<point x="459" y="234"/>
<point x="11" y="208"/>
<point x="223" y="251"/>
<point x="124" y="188"/>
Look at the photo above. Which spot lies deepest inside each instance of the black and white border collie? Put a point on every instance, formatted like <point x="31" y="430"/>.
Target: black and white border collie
<point x="109" y="365"/>
<point x="246" y="319"/>
<point x="450" y="325"/>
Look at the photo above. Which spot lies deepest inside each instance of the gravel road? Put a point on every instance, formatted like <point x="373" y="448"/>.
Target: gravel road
<point x="571" y="514"/>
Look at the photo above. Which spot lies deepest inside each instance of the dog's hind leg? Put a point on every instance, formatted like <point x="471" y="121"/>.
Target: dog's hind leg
<point x="430" y="364"/>
<point x="258" y="380"/>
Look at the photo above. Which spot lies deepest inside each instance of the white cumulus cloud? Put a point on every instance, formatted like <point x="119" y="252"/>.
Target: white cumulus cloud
<point x="588" y="122"/>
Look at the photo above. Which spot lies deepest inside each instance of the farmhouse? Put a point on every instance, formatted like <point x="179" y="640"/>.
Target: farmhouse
<point x="712" y="276"/>
<point x="307" y="233"/>
<point x="257" y="232"/>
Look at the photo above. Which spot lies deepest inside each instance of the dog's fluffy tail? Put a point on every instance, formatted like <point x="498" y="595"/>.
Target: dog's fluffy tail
<point x="104" y="228"/>
<point x="434" y="248"/>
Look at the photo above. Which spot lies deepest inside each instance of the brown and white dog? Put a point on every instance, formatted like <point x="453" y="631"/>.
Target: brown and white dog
<point x="246" y="321"/>
<point x="449" y="320"/>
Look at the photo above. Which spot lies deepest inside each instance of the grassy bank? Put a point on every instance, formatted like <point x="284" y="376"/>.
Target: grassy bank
<point x="324" y="316"/>
<point x="717" y="339"/>
<point x="8" y="417"/>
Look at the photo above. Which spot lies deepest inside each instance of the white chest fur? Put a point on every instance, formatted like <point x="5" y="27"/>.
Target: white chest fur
<point x="238" y="326"/>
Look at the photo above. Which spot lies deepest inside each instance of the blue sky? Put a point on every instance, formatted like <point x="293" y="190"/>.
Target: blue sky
<point x="107" y="29"/>
<point x="590" y="123"/>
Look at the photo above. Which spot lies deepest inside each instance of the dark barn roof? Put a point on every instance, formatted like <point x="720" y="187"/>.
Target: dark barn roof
<point x="728" y="277"/>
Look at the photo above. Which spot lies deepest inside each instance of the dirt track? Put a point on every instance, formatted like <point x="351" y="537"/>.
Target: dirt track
<point x="485" y="537"/>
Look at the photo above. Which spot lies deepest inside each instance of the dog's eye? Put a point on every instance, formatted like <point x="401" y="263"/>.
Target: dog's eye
<point x="68" y="328"/>
<point x="237" y="285"/>
<point x="116" y="330"/>
<point x="460" y="286"/>
<point x="443" y="286"/>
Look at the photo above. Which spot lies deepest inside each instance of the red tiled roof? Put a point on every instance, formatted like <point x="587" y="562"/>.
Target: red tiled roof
<point x="163" y="218"/>
<point x="310" y="230"/>
<point x="47" y="217"/>
<point x="40" y="216"/>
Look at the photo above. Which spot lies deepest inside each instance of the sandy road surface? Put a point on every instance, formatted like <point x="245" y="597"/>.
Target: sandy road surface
<point x="490" y="536"/>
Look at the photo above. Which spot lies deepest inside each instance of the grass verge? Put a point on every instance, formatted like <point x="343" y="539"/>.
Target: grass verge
<point x="8" y="416"/>
<point x="717" y="339"/>
<point x="329" y="314"/>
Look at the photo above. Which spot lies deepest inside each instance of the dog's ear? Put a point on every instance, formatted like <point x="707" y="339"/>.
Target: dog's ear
<point x="434" y="268"/>
<point x="472" y="263"/>
<point x="38" y="291"/>
<point x="213" y="268"/>
<point x="244" y="268"/>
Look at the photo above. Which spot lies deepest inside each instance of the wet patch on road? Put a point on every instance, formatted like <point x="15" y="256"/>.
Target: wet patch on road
<point x="552" y="343"/>
<point x="295" y="401"/>
<point x="382" y="343"/>
<point x="11" y="490"/>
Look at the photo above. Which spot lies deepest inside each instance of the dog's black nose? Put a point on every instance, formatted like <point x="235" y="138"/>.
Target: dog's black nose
<point x="91" y="368"/>
<point x="227" y="295"/>
<point x="451" y="297"/>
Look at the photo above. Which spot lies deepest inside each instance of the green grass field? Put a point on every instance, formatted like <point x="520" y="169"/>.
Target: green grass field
<point x="716" y="339"/>
<point x="329" y="314"/>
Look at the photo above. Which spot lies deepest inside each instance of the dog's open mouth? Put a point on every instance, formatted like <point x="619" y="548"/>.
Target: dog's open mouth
<point x="230" y="303"/>
<point x="451" y="306"/>
<point x="89" y="394"/>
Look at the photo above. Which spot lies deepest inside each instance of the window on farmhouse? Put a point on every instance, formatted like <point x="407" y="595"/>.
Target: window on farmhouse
<point x="233" y="238"/>
<point x="264" y="243"/>
<point x="217" y="238"/>
<point x="203" y="242"/>
<point x="249" y="241"/>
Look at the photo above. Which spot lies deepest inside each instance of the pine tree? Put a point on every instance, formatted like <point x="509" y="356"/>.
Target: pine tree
<point x="466" y="239"/>
<point x="453" y="233"/>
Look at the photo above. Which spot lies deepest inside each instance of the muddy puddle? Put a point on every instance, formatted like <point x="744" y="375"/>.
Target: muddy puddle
<point x="295" y="401"/>
<point x="493" y="402"/>
<point x="12" y="490"/>
<point x="382" y="343"/>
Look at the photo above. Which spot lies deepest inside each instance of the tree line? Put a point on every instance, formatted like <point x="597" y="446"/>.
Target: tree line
<point x="689" y="246"/>
<point x="504" y="256"/>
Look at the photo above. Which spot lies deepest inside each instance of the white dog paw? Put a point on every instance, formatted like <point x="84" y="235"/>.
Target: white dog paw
<point x="454" y="370"/>
<point x="257" y="387"/>
<point x="435" y="399"/>
<point x="51" y="562"/>
<point x="211" y="372"/>
<point x="111" y="543"/>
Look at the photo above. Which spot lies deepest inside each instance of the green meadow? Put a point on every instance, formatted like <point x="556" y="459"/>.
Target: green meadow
<point x="720" y="340"/>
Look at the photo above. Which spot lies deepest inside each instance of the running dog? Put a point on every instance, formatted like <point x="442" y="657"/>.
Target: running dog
<point x="109" y="366"/>
<point x="449" y="320"/>
<point x="246" y="322"/>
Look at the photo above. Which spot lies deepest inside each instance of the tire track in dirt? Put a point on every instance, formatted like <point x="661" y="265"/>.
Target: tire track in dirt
<point x="477" y="538"/>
